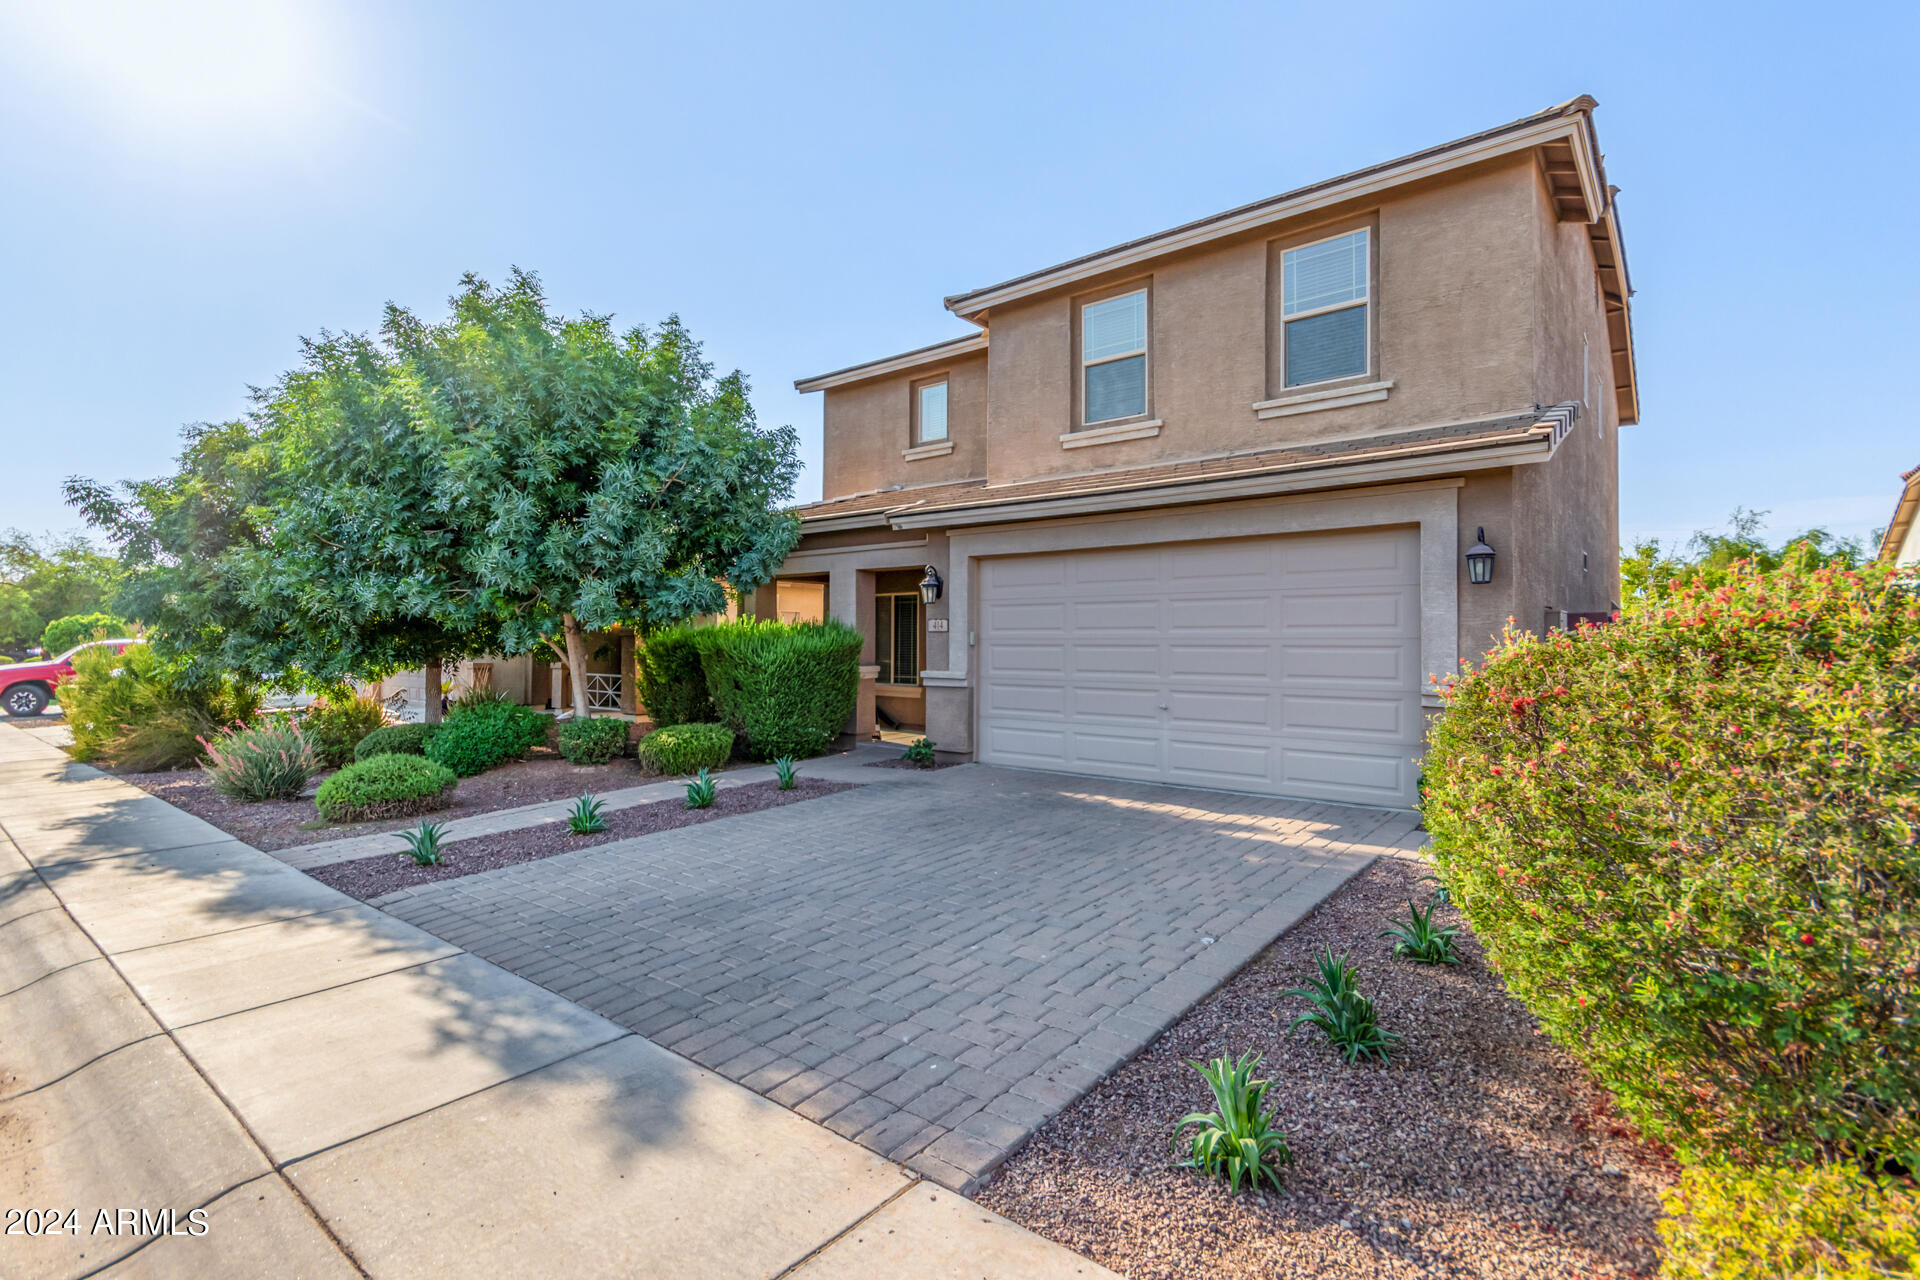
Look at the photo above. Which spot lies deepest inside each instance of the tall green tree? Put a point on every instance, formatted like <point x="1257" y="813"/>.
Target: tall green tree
<point x="1650" y="570"/>
<point x="44" y="579"/>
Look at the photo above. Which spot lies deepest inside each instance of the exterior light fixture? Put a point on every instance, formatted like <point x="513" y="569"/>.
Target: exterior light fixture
<point x="1480" y="560"/>
<point x="930" y="585"/>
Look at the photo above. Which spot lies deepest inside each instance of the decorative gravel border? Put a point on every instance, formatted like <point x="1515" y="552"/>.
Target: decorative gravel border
<point x="385" y="873"/>
<point x="1481" y="1150"/>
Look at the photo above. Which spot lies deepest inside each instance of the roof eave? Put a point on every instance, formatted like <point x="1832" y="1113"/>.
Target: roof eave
<point x="951" y="349"/>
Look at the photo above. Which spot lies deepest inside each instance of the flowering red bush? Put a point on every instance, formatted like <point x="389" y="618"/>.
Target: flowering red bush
<point x="1688" y="843"/>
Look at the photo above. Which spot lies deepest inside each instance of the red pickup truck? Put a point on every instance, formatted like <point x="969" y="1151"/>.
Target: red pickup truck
<point x="26" y="687"/>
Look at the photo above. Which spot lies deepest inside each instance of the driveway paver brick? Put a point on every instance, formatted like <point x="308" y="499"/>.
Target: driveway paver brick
<point x="931" y="970"/>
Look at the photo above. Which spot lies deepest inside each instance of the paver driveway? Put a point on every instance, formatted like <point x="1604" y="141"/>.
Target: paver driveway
<point x="932" y="970"/>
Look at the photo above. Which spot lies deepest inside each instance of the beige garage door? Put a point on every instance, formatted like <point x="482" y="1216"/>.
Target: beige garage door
<point x="1287" y="665"/>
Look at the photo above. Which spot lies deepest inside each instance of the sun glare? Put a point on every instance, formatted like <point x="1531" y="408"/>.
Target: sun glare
<point x="198" y="71"/>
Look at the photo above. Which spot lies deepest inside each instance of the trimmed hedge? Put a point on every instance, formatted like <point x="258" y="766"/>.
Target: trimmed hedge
<point x="396" y="740"/>
<point x="64" y="633"/>
<point x="389" y="786"/>
<point x="686" y="748"/>
<point x="475" y="739"/>
<point x="673" y="682"/>
<point x="336" y="725"/>
<point x="1688" y="843"/>
<point x="785" y="689"/>
<point x="1761" y="1224"/>
<point x="592" y="741"/>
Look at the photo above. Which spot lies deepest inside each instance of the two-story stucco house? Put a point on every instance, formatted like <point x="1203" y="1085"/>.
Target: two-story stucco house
<point x="1200" y="506"/>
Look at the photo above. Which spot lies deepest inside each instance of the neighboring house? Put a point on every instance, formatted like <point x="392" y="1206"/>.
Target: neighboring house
<point x="1901" y="542"/>
<point x="1200" y="504"/>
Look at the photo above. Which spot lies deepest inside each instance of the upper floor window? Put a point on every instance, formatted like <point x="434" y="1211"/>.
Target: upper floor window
<point x="930" y="413"/>
<point x="1113" y="357"/>
<point x="1324" y="308"/>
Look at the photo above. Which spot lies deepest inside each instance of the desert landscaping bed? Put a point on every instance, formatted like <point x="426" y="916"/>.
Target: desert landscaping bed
<point x="387" y="872"/>
<point x="281" y="824"/>
<point x="1481" y="1150"/>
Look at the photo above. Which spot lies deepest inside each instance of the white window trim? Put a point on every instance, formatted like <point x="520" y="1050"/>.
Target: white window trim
<point x="938" y="449"/>
<point x="920" y="389"/>
<point x="1146" y="362"/>
<point x="1117" y="430"/>
<point x="1286" y="319"/>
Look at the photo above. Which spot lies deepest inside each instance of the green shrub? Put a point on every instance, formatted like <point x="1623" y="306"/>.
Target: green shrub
<point x="1831" y="1222"/>
<point x="673" y="683"/>
<point x="920" y="752"/>
<point x="701" y="791"/>
<point x="336" y="725"/>
<point x="1687" y="842"/>
<point x="1419" y="938"/>
<point x="785" y="772"/>
<point x="686" y="748"/>
<point x="592" y="741"/>
<point x="587" y="816"/>
<point x="396" y="739"/>
<point x="473" y="740"/>
<point x="785" y="689"/>
<point x="272" y="760"/>
<point x="1238" y="1140"/>
<point x="472" y="696"/>
<point x="1339" y="1010"/>
<point x="134" y="712"/>
<point x="390" y="786"/>
<point x="64" y="633"/>
<point x="423" y="843"/>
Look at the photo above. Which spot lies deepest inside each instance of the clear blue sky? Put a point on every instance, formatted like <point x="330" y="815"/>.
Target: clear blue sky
<point x="185" y="195"/>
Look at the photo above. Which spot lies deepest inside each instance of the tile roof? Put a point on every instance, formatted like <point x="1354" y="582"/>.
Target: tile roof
<point x="973" y="493"/>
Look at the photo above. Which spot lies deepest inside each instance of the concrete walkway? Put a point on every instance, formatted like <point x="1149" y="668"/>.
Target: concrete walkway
<point x="848" y="766"/>
<point x="252" y="1074"/>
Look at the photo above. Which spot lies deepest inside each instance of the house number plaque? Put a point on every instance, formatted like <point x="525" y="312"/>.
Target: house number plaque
<point x="936" y="624"/>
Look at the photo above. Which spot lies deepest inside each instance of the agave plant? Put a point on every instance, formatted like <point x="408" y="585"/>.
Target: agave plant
<point x="1340" y="1010"/>
<point x="701" y="790"/>
<point x="1441" y="893"/>
<point x="1419" y="938"/>
<point x="584" y="818"/>
<point x="1238" y="1140"/>
<point x="783" y="767"/>
<point x="423" y="843"/>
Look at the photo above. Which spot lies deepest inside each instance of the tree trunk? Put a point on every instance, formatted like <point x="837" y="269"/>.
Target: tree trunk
<point x="576" y="637"/>
<point x="430" y="692"/>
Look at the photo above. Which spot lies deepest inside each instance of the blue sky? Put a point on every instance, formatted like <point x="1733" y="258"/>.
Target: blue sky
<point x="188" y="193"/>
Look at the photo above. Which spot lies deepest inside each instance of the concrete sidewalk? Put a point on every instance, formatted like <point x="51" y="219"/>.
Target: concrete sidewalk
<point x="187" y="1024"/>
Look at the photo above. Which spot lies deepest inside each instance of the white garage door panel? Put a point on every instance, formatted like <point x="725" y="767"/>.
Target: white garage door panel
<point x="1287" y="665"/>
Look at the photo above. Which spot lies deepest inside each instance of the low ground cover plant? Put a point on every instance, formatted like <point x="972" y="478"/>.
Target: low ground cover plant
<point x="585" y="818"/>
<point x="1832" y="1222"/>
<point x="136" y="712"/>
<point x="272" y="760"/>
<point x="485" y="735"/>
<point x="785" y="772"/>
<point x="785" y="689"/>
<point x="1419" y="938"/>
<point x="424" y="841"/>
<point x="701" y="791"/>
<point x="920" y="752"/>
<point x="1688" y="843"/>
<point x="336" y="724"/>
<point x="395" y="739"/>
<point x="1238" y="1141"/>
<point x="686" y="748"/>
<point x="1345" y="1016"/>
<point x="673" y="683"/>
<point x="388" y="786"/>
<point x="592" y="741"/>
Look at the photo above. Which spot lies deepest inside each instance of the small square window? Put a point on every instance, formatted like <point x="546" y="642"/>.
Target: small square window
<point x="932" y="414"/>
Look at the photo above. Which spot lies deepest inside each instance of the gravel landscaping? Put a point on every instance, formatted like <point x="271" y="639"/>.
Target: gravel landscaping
<point x="1481" y="1150"/>
<point x="387" y="872"/>
<point x="281" y="824"/>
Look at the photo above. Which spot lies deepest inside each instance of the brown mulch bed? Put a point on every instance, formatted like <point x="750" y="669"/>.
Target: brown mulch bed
<point x="387" y="872"/>
<point x="281" y="824"/>
<point x="1481" y="1150"/>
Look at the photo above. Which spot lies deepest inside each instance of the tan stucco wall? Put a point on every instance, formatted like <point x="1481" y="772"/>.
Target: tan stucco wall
<point x="869" y="425"/>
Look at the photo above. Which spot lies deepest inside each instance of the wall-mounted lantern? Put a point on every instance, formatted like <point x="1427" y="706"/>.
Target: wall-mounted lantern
<point x="930" y="585"/>
<point x="1480" y="560"/>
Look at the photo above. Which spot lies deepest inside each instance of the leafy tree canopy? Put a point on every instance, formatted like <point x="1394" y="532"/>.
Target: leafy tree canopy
<point x="1652" y="572"/>
<point x="42" y="579"/>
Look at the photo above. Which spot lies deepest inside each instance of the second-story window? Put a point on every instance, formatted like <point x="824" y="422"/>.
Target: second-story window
<point x="930" y="414"/>
<point x="1113" y="357"/>
<point x="1324" y="307"/>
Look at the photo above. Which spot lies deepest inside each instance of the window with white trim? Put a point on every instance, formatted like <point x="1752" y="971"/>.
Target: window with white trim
<point x="1113" y="358"/>
<point x="1323" y="308"/>
<point x="930" y="414"/>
